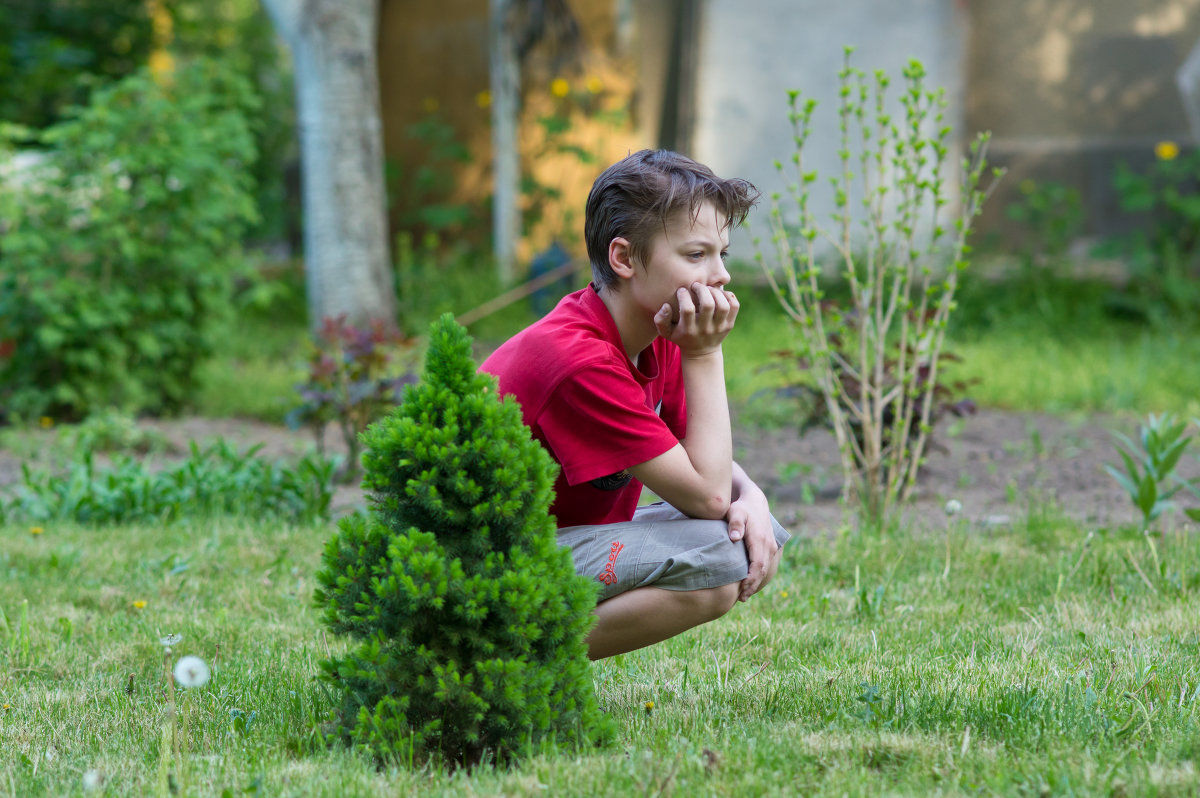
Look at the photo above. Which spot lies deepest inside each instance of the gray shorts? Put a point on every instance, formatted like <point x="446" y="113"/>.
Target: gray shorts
<point x="661" y="547"/>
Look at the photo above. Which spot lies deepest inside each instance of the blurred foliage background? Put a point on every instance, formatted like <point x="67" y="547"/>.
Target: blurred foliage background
<point x="1046" y="318"/>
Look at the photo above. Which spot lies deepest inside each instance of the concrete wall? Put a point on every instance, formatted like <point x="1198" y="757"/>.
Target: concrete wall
<point x="1071" y="87"/>
<point x="752" y="53"/>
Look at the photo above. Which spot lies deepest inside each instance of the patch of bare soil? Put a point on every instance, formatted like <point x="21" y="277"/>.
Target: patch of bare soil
<point x="997" y="464"/>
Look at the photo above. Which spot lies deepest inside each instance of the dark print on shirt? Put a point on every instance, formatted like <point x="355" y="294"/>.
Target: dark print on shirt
<point x="613" y="481"/>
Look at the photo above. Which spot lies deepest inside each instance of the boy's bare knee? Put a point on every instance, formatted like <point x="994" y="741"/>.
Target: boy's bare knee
<point x="714" y="602"/>
<point x="772" y="567"/>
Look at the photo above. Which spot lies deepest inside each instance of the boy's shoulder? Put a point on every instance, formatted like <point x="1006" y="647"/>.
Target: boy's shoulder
<point x="578" y="333"/>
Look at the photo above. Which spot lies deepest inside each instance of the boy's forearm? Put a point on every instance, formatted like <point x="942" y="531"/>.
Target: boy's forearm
<point x="742" y="484"/>
<point x="709" y="442"/>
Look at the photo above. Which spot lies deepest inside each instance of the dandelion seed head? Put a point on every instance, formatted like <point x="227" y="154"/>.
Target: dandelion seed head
<point x="93" y="779"/>
<point x="953" y="507"/>
<point x="191" y="672"/>
<point x="170" y="640"/>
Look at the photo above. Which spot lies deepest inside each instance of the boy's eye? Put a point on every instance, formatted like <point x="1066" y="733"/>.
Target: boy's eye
<point x="725" y="255"/>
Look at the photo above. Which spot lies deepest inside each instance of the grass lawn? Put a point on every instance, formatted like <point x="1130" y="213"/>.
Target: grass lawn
<point x="1042" y="659"/>
<point x="1045" y="657"/>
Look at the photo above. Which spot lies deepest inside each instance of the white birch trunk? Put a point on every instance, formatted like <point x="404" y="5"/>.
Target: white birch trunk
<point x="341" y="145"/>
<point x="506" y="160"/>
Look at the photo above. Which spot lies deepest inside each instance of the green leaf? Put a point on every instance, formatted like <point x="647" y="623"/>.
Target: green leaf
<point x="1147" y="496"/>
<point x="1124" y="481"/>
<point x="1167" y="461"/>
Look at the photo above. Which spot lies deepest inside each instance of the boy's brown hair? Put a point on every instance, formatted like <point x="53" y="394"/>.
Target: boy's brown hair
<point x="637" y="195"/>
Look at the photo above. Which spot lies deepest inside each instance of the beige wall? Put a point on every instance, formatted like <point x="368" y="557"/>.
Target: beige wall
<point x="1070" y="87"/>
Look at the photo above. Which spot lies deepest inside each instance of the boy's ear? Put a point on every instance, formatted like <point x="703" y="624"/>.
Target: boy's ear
<point x="620" y="258"/>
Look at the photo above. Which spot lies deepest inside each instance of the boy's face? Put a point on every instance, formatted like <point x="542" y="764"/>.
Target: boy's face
<point x="686" y="253"/>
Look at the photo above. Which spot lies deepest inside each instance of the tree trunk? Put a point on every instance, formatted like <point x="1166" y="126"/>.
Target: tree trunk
<point x="506" y="159"/>
<point x="341" y="147"/>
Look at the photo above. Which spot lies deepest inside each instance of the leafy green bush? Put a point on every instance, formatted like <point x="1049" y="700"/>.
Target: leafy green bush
<point x="1163" y="256"/>
<point x="1052" y="216"/>
<point x="875" y="358"/>
<point x="353" y="380"/>
<point x="115" y="254"/>
<point x="52" y="50"/>
<point x="469" y="618"/>
<point x="802" y="391"/>
<point x="212" y="481"/>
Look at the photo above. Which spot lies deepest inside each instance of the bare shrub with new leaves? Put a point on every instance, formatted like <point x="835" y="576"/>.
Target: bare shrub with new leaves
<point x="875" y="357"/>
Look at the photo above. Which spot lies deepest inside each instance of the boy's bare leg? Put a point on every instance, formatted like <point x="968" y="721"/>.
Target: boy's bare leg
<point x="650" y="614"/>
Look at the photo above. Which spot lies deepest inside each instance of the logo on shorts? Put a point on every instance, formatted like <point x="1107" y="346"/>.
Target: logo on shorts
<point x="610" y="573"/>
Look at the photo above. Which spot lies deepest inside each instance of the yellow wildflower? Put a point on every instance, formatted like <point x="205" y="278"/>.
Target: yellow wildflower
<point x="595" y="85"/>
<point x="36" y="530"/>
<point x="162" y="64"/>
<point x="649" y="707"/>
<point x="783" y="594"/>
<point x="483" y="99"/>
<point x="429" y="104"/>
<point x="6" y="706"/>
<point x="46" y="422"/>
<point x="1166" y="150"/>
<point x="140" y="604"/>
<point x="559" y="87"/>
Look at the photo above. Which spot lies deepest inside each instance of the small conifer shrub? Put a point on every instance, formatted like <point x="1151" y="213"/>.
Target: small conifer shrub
<point x="467" y="616"/>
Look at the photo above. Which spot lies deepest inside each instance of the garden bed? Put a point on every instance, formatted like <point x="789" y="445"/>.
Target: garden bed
<point x="999" y="465"/>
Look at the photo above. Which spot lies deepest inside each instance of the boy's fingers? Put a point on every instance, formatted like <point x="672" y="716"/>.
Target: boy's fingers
<point x="734" y="305"/>
<point x="705" y="304"/>
<point x="759" y="552"/>
<point x="737" y="522"/>
<point x="753" y="581"/>
<point x="686" y="306"/>
<point x="721" y="301"/>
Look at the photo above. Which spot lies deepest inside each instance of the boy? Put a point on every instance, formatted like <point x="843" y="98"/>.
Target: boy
<point x="623" y="383"/>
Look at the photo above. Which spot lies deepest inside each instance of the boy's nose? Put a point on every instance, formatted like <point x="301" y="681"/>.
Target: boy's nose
<point x="720" y="276"/>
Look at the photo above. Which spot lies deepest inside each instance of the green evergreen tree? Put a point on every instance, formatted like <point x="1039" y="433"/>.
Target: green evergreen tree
<point x="469" y="617"/>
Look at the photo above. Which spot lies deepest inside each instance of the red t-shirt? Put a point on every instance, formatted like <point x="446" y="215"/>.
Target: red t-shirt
<point x="590" y="407"/>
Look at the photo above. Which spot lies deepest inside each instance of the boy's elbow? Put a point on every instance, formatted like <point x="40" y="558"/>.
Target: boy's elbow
<point x="714" y="507"/>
